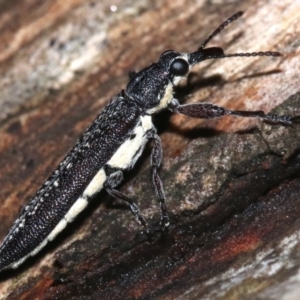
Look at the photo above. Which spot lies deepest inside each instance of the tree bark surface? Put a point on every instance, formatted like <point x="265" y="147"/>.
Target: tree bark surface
<point x="232" y="184"/>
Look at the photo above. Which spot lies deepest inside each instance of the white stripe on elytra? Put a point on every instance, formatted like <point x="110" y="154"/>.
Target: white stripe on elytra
<point x="124" y="158"/>
<point x="127" y="154"/>
<point x="94" y="186"/>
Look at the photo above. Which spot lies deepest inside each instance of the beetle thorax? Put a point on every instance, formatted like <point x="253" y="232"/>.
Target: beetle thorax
<point x="164" y="100"/>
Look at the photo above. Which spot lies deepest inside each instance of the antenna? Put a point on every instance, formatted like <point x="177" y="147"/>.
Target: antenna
<point x="221" y="27"/>
<point x="248" y="54"/>
<point x="216" y="52"/>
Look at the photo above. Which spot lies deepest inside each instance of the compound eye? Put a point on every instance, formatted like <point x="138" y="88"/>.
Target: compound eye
<point x="179" y="67"/>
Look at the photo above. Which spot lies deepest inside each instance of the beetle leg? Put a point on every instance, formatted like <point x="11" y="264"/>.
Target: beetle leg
<point x="209" y="111"/>
<point x="114" y="180"/>
<point x="155" y="161"/>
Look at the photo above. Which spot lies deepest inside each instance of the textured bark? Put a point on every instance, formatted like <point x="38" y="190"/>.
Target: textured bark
<point x="232" y="184"/>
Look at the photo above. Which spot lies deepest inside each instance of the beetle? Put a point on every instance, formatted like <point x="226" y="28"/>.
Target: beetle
<point x="112" y="145"/>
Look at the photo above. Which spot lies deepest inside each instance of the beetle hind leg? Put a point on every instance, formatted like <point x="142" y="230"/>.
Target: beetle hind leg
<point x="114" y="180"/>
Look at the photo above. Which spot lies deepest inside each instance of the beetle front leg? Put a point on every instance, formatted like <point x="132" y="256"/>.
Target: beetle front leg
<point x="155" y="161"/>
<point x="210" y="111"/>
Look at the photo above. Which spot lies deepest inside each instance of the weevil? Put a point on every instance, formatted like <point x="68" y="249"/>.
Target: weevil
<point x="112" y="145"/>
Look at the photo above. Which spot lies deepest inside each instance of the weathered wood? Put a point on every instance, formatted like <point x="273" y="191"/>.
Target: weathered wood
<point x="232" y="184"/>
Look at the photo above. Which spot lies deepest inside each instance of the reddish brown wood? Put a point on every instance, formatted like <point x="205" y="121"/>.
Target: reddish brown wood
<point x="232" y="185"/>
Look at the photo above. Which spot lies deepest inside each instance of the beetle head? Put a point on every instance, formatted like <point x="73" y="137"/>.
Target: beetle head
<point x="179" y="64"/>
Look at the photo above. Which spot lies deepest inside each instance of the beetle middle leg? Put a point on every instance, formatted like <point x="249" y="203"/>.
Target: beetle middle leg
<point x="155" y="161"/>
